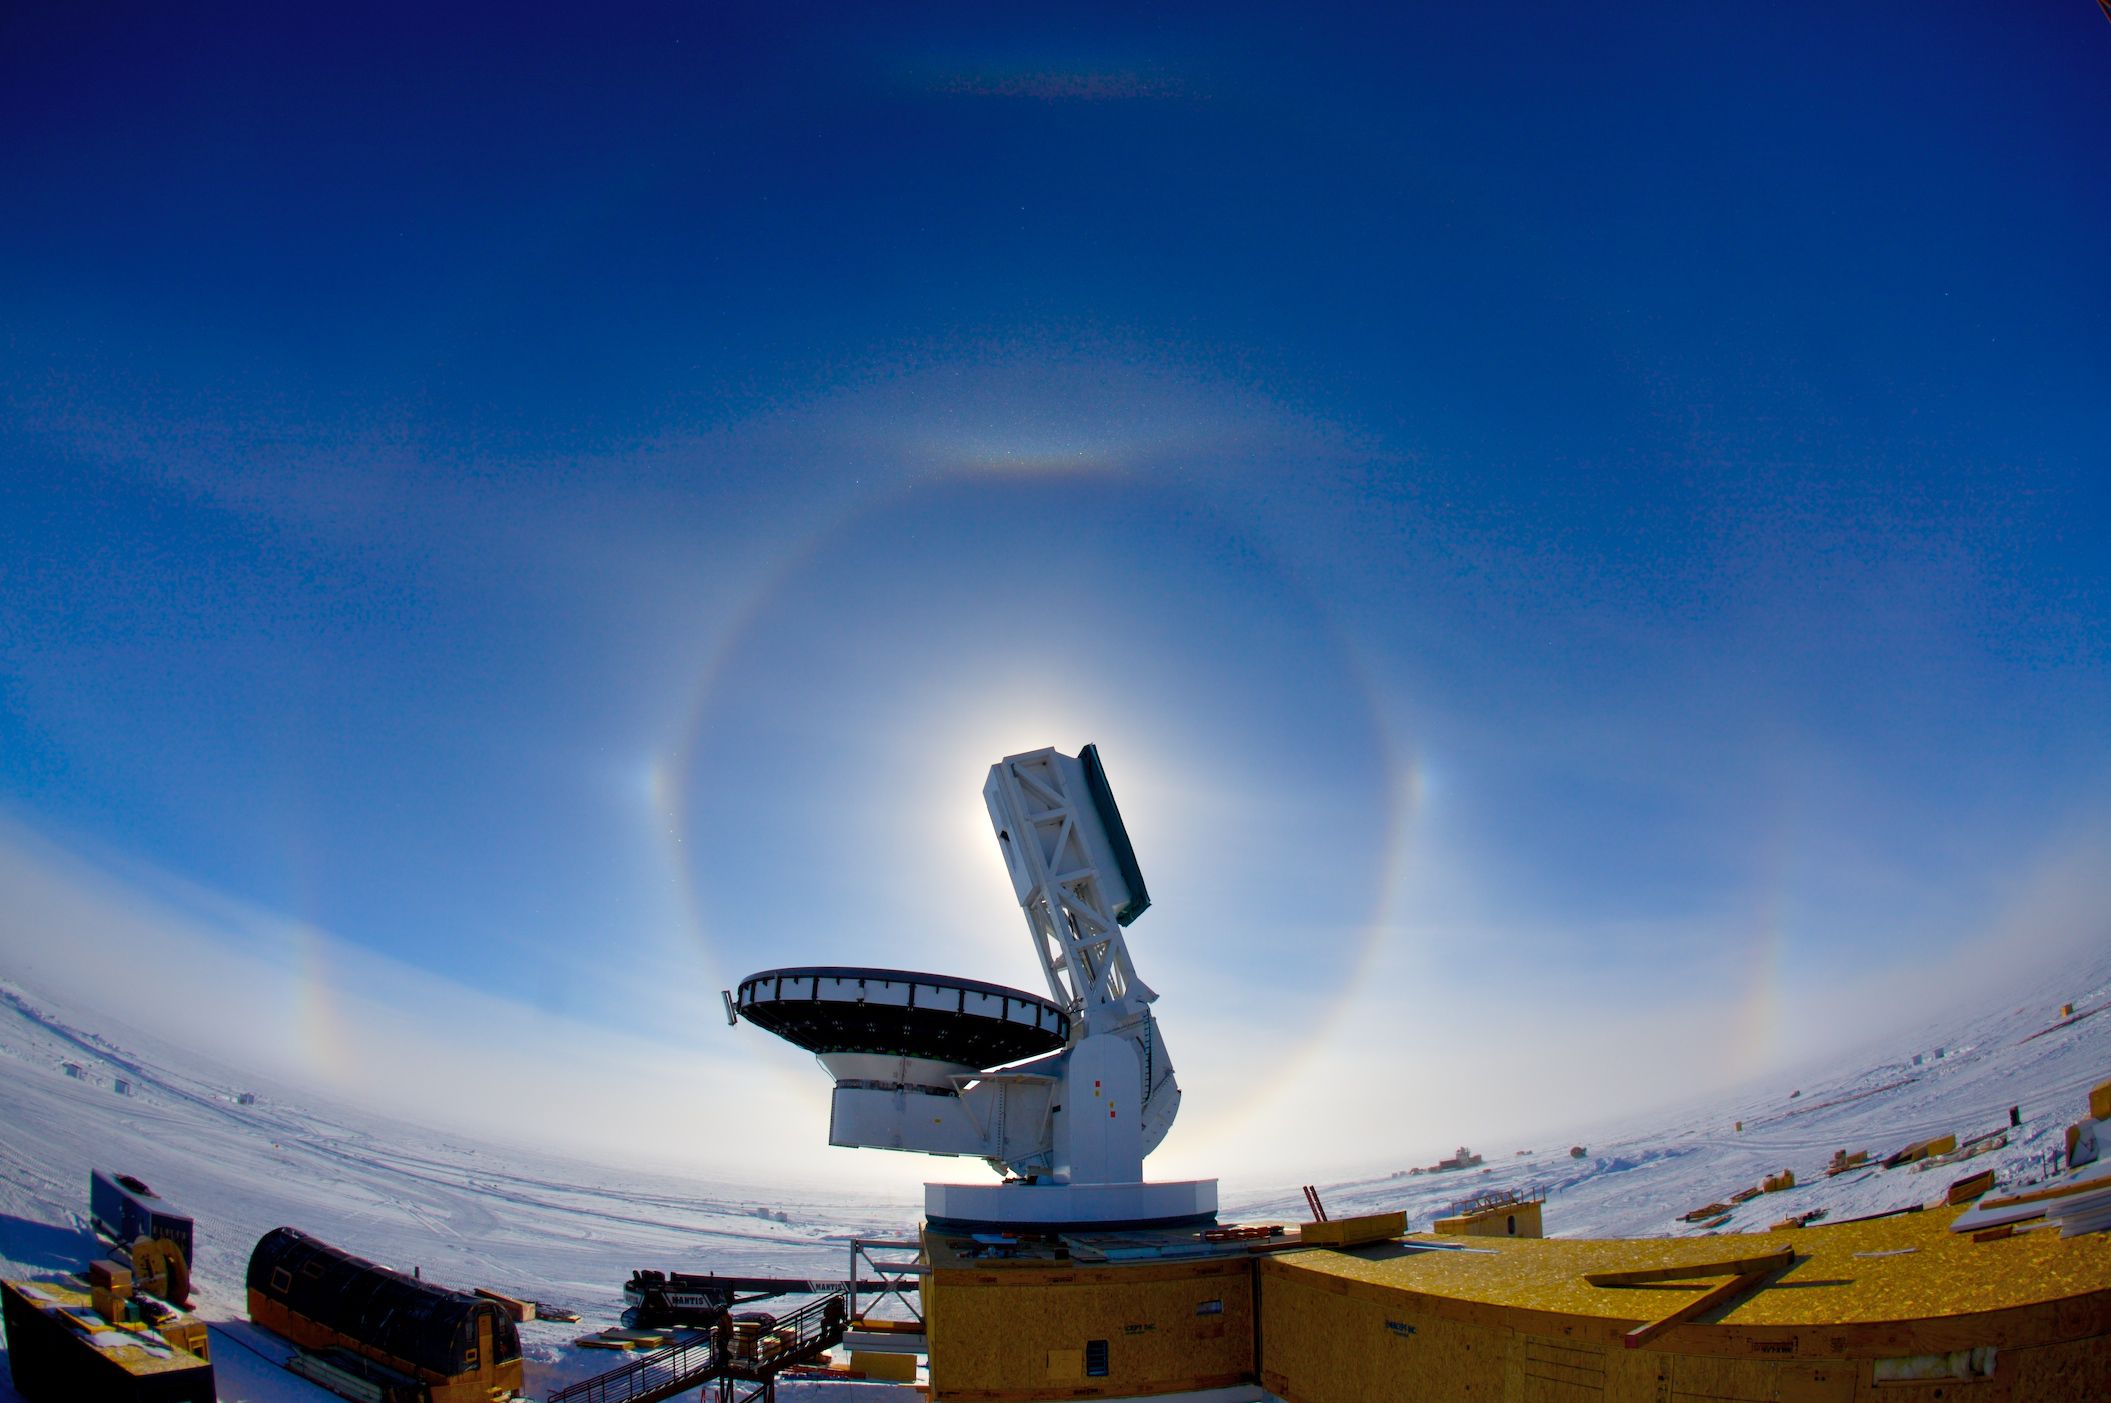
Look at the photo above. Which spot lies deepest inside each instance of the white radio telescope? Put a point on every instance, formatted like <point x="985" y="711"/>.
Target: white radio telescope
<point x="1064" y="1095"/>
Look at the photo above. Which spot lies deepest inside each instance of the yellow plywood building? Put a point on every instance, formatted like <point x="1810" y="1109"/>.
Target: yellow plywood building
<point x="1047" y="1325"/>
<point x="2027" y="1317"/>
<point x="1891" y="1310"/>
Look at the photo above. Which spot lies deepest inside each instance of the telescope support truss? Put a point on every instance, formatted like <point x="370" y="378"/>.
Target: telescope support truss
<point x="1044" y="823"/>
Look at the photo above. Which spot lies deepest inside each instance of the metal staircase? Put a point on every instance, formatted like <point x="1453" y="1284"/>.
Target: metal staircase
<point x="724" y="1354"/>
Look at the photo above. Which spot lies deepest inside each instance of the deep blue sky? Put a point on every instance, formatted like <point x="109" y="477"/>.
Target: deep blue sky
<point x="571" y="500"/>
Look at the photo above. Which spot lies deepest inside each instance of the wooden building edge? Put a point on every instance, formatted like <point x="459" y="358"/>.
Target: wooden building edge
<point x="1866" y="1324"/>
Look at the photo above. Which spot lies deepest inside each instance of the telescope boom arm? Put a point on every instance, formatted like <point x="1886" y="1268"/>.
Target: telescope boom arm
<point x="1065" y="870"/>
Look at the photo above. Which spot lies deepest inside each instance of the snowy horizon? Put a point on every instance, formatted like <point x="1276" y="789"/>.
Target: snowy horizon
<point x="604" y="1098"/>
<point x="466" y="1211"/>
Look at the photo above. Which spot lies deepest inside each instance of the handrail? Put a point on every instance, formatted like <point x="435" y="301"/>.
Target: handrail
<point x="706" y="1355"/>
<point x="791" y="1339"/>
<point x="661" y="1374"/>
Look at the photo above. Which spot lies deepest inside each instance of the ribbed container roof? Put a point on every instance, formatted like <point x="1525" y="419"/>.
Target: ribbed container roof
<point x="428" y="1326"/>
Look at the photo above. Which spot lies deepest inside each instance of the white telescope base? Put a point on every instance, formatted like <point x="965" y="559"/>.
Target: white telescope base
<point x="1080" y="1206"/>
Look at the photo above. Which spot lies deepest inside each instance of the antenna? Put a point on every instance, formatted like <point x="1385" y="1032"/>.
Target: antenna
<point x="1064" y="1096"/>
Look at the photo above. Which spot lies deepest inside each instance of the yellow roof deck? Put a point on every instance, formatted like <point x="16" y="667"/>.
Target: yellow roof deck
<point x="1906" y="1267"/>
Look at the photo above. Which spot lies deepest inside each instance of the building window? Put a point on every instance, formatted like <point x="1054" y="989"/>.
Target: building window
<point x="1210" y="1308"/>
<point x="1095" y="1359"/>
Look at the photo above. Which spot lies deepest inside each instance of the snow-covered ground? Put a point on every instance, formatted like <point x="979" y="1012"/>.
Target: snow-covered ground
<point x="567" y="1232"/>
<point x="1957" y="1075"/>
<point x="464" y="1213"/>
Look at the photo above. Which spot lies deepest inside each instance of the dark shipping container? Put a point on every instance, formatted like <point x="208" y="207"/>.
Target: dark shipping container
<point x="125" y="1210"/>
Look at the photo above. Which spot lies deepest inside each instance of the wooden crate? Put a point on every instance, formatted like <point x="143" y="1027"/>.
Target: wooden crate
<point x="1350" y="1232"/>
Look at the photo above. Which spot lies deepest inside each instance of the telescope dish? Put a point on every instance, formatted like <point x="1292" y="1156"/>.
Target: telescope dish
<point x="901" y="1013"/>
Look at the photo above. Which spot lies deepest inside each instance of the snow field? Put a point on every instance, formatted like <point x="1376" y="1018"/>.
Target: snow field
<point x="569" y="1233"/>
